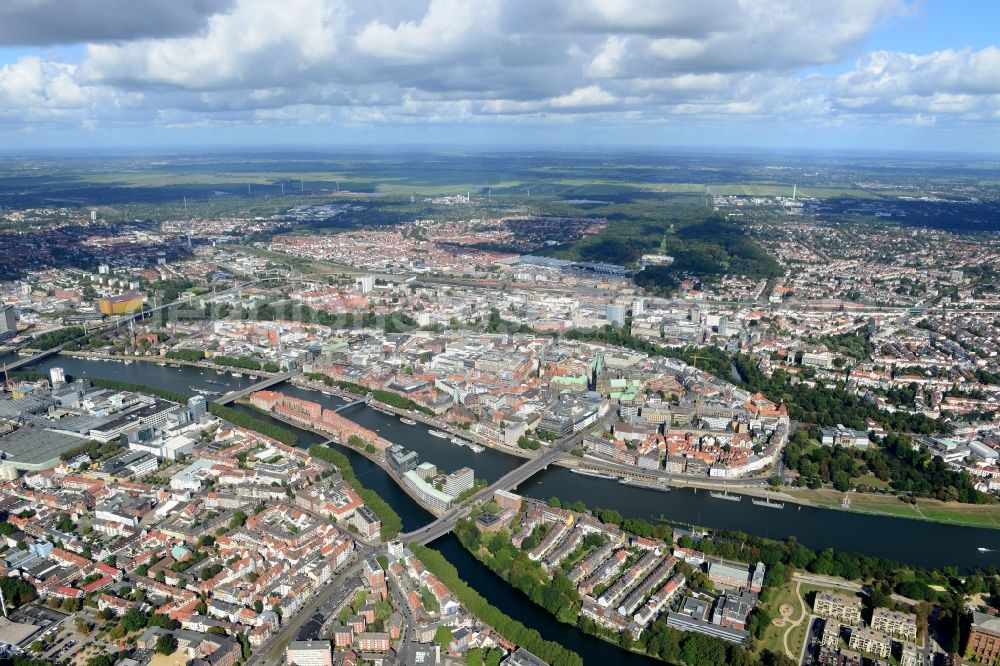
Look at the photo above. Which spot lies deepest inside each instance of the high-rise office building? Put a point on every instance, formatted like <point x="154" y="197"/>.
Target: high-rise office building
<point x="616" y="315"/>
<point x="196" y="407"/>
<point x="8" y="322"/>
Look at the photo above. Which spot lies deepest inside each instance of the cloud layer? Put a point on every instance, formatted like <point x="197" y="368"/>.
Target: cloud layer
<point x="603" y="62"/>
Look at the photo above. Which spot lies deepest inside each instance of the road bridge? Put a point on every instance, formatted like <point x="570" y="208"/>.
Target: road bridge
<point x="508" y="481"/>
<point x="267" y="382"/>
<point x="360" y="401"/>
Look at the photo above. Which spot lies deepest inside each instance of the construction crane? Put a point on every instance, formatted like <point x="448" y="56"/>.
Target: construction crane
<point x="696" y="358"/>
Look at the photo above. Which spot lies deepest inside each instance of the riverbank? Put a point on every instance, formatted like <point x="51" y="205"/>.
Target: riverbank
<point x="376" y="459"/>
<point x="925" y="509"/>
<point x="508" y="627"/>
<point x="438" y="424"/>
<point x="163" y="360"/>
<point x="391" y="521"/>
<point x="885" y="535"/>
<point x="146" y="370"/>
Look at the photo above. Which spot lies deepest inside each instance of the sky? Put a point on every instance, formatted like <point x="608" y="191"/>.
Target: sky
<point x="827" y="74"/>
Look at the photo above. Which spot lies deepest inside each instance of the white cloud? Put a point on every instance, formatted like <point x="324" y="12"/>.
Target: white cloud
<point x="33" y="84"/>
<point x="256" y="43"/>
<point x="323" y="62"/>
<point x="584" y="98"/>
<point x="450" y="29"/>
<point x="609" y="61"/>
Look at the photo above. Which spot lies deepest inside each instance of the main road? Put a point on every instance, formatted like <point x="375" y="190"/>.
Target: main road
<point x="273" y="652"/>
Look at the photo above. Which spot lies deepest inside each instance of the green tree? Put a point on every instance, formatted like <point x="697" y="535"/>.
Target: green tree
<point x="64" y="523"/>
<point x="443" y="636"/>
<point x="166" y="644"/>
<point x="133" y="620"/>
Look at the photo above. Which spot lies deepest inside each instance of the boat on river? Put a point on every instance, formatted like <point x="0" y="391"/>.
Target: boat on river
<point x="475" y="448"/>
<point x="725" y="496"/>
<point x="403" y="419"/>
<point x="768" y="503"/>
<point x="438" y="433"/>
<point x="984" y="549"/>
<point x="639" y="483"/>
<point x="596" y="475"/>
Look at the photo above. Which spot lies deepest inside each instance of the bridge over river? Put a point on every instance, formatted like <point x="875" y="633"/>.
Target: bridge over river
<point x="508" y="481"/>
<point x="267" y="382"/>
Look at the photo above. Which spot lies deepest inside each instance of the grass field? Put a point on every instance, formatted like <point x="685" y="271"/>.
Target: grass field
<point x="974" y="515"/>
<point x="403" y="185"/>
<point x="783" y="190"/>
<point x="772" y="639"/>
<point x="871" y="481"/>
<point x="435" y="177"/>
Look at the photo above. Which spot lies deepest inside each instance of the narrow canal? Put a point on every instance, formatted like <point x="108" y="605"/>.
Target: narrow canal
<point x="514" y="603"/>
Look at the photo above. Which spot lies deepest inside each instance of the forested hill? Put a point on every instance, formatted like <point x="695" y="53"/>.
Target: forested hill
<point x="702" y="248"/>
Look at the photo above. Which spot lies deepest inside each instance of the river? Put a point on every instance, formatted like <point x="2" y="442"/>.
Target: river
<point x="489" y="465"/>
<point x="915" y="542"/>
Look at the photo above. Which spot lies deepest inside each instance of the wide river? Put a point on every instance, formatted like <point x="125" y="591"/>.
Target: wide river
<point x="915" y="542"/>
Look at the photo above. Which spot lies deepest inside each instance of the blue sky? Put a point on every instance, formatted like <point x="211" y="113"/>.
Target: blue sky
<point x="871" y="74"/>
<point x="938" y="24"/>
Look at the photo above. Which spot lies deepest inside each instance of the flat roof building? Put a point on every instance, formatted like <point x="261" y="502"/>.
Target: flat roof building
<point x="309" y="653"/>
<point x="427" y="493"/>
<point x="984" y="638"/>
<point x="838" y="607"/>
<point x="521" y="657"/>
<point x="32" y="449"/>
<point x="870" y="642"/>
<point x="898" y="625"/>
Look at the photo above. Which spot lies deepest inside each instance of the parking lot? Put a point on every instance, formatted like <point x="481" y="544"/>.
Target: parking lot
<point x="64" y="642"/>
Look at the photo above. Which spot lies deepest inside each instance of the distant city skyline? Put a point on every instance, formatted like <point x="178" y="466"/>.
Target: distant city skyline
<point x="825" y="74"/>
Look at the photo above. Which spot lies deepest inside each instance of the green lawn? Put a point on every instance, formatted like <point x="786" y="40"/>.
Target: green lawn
<point x="772" y="639"/>
<point x="975" y="515"/>
<point x="963" y="516"/>
<point x="871" y="481"/>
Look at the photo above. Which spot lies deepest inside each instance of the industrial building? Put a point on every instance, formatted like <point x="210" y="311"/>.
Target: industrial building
<point x="122" y="304"/>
